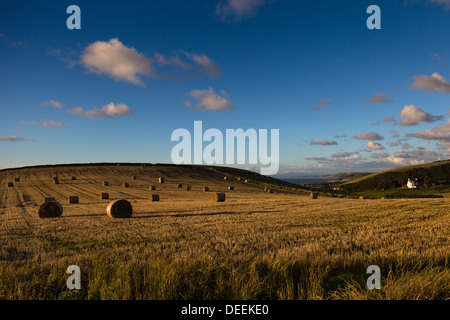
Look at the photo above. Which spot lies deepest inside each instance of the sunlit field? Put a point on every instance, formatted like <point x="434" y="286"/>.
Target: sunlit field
<point x="255" y="245"/>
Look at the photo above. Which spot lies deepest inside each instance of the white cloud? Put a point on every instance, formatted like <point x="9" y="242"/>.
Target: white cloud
<point x="14" y="138"/>
<point x="110" y="110"/>
<point x="238" y="9"/>
<point x="439" y="133"/>
<point x="412" y="115"/>
<point x="433" y="83"/>
<point x="324" y="143"/>
<point x="368" y="136"/>
<point x="378" y="98"/>
<point x="374" y="146"/>
<point x="414" y="157"/>
<point x="209" y="100"/>
<point x="114" y="59"/>
<point x="53" y="103"/>
<point x="321" y="104"/>
<point x="341" y="155"/>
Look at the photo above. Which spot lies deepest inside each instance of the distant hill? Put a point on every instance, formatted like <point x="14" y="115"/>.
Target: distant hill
<point x="232" y="173"/>
<point x="429" y="175"/>
<point x="345" y="175"/>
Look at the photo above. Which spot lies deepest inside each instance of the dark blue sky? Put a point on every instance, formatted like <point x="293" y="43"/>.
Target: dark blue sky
<point x="136" y="71"/>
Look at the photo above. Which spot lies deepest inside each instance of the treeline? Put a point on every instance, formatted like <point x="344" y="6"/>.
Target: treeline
<point x="428" y="177"/>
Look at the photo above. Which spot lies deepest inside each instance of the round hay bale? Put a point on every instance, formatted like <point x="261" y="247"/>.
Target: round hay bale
<point x="126" y="184"/>
<point x="161" y="180"/>
<point x="152" y="188"/>
<point x="313" y="195"/>
<point x="74" y="178"/>
<point x="48" y="199"/>
<point x="73" y="199"/>
<point x="133" y="177"/>
<point x="218" y="197"/>
<point x="154" y="197"/>
<point x="56" y="181"/>
<point x="104" y="195"/>
<point x="105" y="183"/>
<point x="239" y="179"/>
<point x="246" y="181"/>
<point x="119" y="209"/>
<point x="230" y="188"/>
<point x="265" y="189"/>
<point x="16" y="179"/>
<point x="180" y="185"/>
<point x="362" y="197"/>
<point x="10" y="184"/>
<point x="51" y="209"/>
<point x="269" y="190"/>
<point x="382" y="198"/>
<point x="205" y="189"/>
<point x="188" y="187"/>
<point x="225" y="178"/>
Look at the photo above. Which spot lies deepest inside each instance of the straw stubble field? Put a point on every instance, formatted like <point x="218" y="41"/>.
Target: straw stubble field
<point x="255" y="245"/>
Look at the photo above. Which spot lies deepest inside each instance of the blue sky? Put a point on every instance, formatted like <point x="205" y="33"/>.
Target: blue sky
<point x="345" y="98"/>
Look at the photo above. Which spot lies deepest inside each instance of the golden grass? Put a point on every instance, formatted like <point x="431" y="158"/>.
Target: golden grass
<point x="253" y="246"/>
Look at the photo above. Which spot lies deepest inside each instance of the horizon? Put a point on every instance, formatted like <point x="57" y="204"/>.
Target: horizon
<point x="344" y="98"/>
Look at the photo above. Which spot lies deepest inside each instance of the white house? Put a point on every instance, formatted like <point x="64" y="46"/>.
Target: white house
<point x="412" y="184"/>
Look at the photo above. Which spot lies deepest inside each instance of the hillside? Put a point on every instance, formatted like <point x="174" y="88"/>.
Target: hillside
<point x="429" y="175"/>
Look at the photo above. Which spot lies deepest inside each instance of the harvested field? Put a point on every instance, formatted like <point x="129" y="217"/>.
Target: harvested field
<point x="254" y="245"/>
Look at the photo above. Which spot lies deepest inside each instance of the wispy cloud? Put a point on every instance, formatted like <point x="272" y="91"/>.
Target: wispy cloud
<point x="368" y="136"/>
<point x="380" y="155"/>
<point x="436" y="57"/>
<point x="110" y="110"/>
<point x="411" y="116"/>
<point x="209" y="100"/>
<point x="433" y="83"/>
<point x="207" y="65"/>
<point x="389" y="119"/>
<point x="324" y="143"/>
<point x="112" y="58"/>
<point x="444" y="3"/>
<point x="238" y="9"/>
<point x="316" y="159"/>
<point x="321" y="104"/>
<point x="378" y="98"/>
<point x="9" y="42"/>
<point x="53" y="103"/>
<point x="395" y="134"/>
<point x="13" y="138"/>
<point x="52" y="124"/>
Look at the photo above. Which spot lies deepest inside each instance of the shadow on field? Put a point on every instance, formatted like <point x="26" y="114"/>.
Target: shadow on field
<point x="183" y="215"/>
